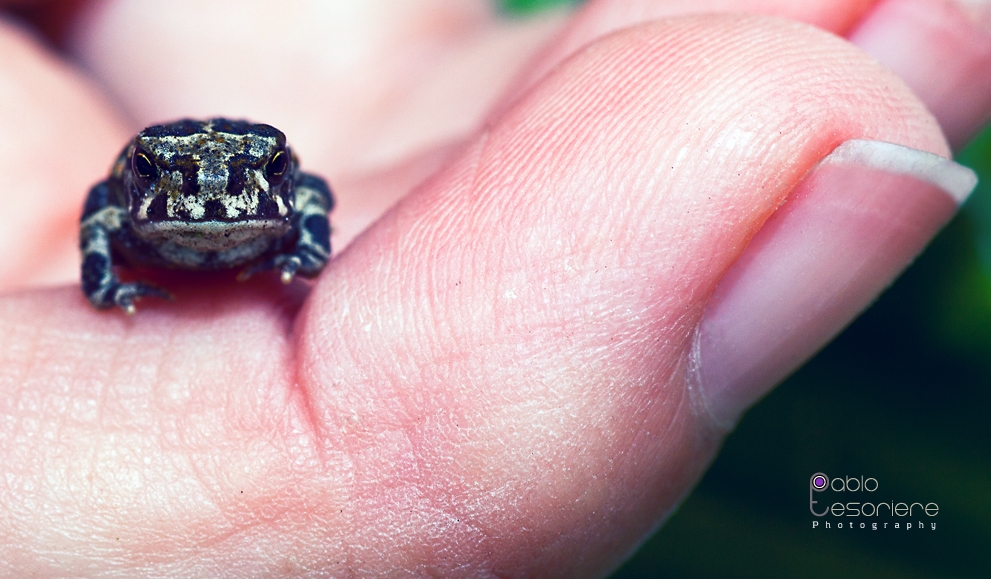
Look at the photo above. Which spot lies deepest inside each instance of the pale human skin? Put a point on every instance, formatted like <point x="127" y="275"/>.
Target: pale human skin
<point x="494" y="375"/>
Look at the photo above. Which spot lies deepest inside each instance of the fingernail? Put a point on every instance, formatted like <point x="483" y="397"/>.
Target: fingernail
<point x="942" y="50"/>
<point x="853" y="223"/>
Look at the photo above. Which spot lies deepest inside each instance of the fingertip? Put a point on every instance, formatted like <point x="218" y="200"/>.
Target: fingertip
<point x="852" y="224"/>
<point x="552" y="275"/>
<point x="942" y="50"/>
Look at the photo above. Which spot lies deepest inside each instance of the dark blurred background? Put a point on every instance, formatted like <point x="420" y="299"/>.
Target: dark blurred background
<point x="901" y="395"/>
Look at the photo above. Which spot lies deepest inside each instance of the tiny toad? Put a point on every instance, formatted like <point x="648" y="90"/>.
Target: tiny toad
<point x="203" y="195"/>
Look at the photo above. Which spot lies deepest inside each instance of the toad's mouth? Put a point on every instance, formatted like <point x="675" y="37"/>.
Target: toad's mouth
<point x="211" y="235"/>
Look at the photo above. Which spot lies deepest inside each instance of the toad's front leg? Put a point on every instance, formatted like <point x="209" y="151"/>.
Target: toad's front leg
<point x="101" y="220"/>
<point x="310" y="254"/>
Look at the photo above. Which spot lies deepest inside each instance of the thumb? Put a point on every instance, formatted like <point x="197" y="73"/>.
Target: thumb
<point x="508" y="362"/>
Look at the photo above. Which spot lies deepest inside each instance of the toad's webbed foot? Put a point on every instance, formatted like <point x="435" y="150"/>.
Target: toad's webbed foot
<point x="123" y="295"/>
<point x="289" y="264"/>
<point x="105" y="290"/>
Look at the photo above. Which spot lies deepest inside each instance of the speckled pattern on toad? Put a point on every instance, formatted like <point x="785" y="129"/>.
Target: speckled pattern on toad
<point x="203" y="195"/>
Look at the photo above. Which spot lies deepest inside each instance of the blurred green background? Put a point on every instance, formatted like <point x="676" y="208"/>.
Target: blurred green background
<point x="902" y="396"/>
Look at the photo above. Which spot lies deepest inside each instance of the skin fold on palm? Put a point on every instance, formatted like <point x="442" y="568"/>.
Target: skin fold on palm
<point x="494" y="375"/>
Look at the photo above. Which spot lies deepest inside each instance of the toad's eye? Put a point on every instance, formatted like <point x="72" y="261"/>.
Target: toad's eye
<point x="277" y="166"/>
<point x="142" y="166"/>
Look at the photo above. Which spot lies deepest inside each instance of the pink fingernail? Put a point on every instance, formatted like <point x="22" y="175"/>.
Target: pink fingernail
<point x="853" y="223"/>
<point x="942" y="50"/>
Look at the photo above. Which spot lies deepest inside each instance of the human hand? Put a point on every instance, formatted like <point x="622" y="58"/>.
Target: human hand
<point x="505" y="373"/>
